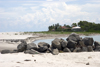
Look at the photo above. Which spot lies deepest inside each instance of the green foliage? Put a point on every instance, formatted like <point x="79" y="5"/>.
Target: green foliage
<point x="85" y="26"/>
<point x="89" y="26"/>
<point x="73" y="25"/>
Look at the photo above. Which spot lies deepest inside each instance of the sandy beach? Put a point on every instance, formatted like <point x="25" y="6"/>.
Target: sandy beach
<point x="82" y="59"/>
<point x="49" y="60"/>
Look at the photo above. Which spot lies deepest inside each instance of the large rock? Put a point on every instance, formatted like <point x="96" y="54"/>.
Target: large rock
<point x="32" y="51"/>
<point x="43" y="47"/>
<point x="66" y="50"/>
<point x="55" y="51"/>
<point x="84" y="49"/>
<point x="74" y="37"/>
<point x="97" y="46"/>
<point x="71" y="44"/>
<point x="31" y="46"/>
<point x="77" y="49"/>
<point x="88" y="41"/>
<point x="90" y="49"/>
<point x="8" y="51"/>
<point x="41" y="44"/>
<point x="64" y="44"/>
<point x="56" y="44"/>
<point x="21" y="47"/>
<point x="81" y="43"/>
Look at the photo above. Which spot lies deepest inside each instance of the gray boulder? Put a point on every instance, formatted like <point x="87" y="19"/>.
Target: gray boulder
<point x="55" y="51"/>
<point x="8" y="51"/>
<point x="77" y="49"/>
<point x="31" y="46"/>
<point x="56" y="44"/>
<point x="32" y="51"/>
<point x="90" y="49"/>
<point x="21" y="47"/>
<point x="74" y="37"/>
<point x="84" y="49"/>
<point x="66" y="50"/>
<point x="96" y="45"/>
<point x="97" y="48"/>
<point x="43" y="47"/>
<point x="88" y="41"/>
<point x="71" y="44"/>
<point x="41" y="44"/>
<point x="64" y="44"/>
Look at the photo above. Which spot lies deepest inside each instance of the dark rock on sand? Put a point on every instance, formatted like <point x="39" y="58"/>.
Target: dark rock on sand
<point x="8" y="51"/>
<point x="90" y="49"/>
<point x="84" y="49"/>
<point x="66" y="50"/>
<point x="32" y="51"/>
<point x="64" y="44"/>
<point x="77" y="49"/>
<point x="41" y="44"/>
<point x="55" y="51"/>
<point x="43" y="47"/>
<point x="97" y="46"/>
<point x="88" y="41"/>
<point x="21" y="47"/>
<point x="71" y="44"/>
<point x="31" y="46"/>
<point x="74" y="37"/>
<point x="56" y="44"/>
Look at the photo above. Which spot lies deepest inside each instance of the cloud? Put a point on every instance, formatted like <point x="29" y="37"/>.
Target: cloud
<point x="37" y="17"/>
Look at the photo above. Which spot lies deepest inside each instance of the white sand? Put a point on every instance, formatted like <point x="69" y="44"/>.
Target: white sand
<point x="49" y="60"/>
<point x="44" y="60"/>
<point x="13" y="35"/>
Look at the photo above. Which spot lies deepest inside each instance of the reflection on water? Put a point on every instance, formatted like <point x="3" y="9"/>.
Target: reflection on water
<point x="96" y="38"/>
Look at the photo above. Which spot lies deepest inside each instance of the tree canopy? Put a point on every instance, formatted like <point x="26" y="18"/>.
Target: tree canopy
<point x="85" y="26"/>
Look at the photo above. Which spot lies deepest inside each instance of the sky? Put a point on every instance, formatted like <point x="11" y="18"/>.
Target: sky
<point x="37" y="15"/>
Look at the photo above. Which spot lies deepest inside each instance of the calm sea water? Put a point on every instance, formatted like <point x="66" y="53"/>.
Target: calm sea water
<point x="96" y="38"/>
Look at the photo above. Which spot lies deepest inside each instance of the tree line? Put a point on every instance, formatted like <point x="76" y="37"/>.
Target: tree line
<point x="85" y="26"/>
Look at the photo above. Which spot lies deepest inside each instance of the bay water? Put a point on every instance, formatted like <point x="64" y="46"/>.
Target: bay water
<point x="96" y="38"/>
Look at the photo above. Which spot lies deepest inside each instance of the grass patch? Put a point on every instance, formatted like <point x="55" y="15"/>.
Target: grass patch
<point x="55" y="32"/>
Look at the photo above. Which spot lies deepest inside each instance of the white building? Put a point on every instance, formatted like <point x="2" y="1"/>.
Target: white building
<point x="76" y="28"/>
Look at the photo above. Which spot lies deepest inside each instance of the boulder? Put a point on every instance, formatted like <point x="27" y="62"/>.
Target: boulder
<point x="90" y="49"/>
<point x="21" y="47"/>
<point x="56" y="44"/>
<point x="66" y="50"/>
<point x="96" y="44"/>
<point x="88" y="41"/>
<point x="31" y="46"/>
<point x="41" y="44"/>
<point x="81" y="43"/>
<point x="55" y="51"/>
<point x="84" y="49"/>
<point x="71" y="44"/>
<point x="64" y="44"/>
<point x="77" y="49"/>
<point x="97" y="48"/>
<point x="71" y="49"/>
<point x="74" y="37"/>
<point x="32" y="51"/>
<point x="8" y="51"/>
<point x="43" y="47"/>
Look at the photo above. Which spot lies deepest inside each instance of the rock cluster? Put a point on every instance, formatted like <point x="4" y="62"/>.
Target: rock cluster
<point x="74" y="43"/>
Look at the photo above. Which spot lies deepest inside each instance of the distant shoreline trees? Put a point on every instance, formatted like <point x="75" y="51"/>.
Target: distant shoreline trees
<point x="85" y="26"/>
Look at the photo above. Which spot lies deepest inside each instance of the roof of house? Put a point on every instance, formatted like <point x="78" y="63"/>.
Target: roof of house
<point x="76" y="27"/>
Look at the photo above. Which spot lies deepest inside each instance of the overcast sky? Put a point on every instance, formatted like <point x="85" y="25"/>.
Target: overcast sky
<point x="37" y="15"/>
